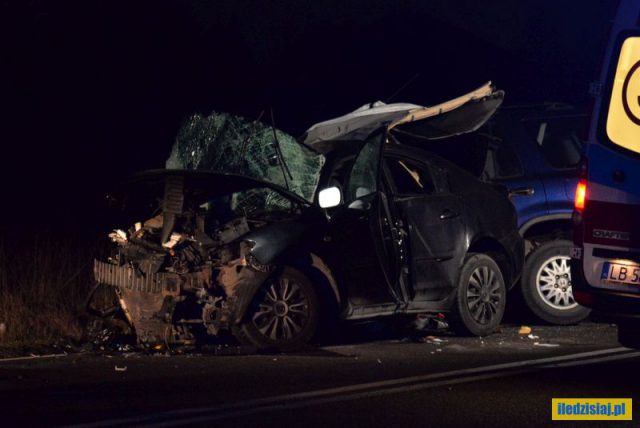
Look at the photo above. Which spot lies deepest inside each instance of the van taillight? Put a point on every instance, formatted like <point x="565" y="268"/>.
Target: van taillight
<point x="581" y="195"/>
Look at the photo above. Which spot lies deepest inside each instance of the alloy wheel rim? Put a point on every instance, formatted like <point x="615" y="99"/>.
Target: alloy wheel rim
<point x="283" y="312"/>
<point x="553" y="283"/>
<point x="483" y="295"/>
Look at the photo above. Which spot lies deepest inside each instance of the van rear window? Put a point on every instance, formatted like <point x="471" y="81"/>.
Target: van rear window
<point x="623" y="118"/>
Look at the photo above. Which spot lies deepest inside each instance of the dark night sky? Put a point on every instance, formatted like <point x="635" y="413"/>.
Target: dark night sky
<point x="94" y="90"/>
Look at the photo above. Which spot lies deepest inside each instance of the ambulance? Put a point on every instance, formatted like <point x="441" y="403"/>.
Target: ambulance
<point x="605" y="265"/>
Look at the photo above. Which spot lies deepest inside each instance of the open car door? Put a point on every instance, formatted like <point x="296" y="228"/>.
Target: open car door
<point x="362" y="247"/>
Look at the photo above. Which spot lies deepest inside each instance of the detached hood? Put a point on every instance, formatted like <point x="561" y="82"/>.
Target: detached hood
<point x="456" y="116"/>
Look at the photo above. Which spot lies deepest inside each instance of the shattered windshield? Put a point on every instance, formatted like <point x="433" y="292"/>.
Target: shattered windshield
<point x="225" y="143"/>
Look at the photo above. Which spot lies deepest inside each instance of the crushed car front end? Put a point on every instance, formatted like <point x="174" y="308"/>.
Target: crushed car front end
<point x="191" y="269"/>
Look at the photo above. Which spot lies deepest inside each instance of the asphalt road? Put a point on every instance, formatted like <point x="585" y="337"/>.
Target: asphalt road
<point x="376" y="379"/>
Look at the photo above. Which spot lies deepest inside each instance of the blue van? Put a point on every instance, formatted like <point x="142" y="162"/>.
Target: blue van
<point x="535" y="152"/>
<point x="606" y="259"/>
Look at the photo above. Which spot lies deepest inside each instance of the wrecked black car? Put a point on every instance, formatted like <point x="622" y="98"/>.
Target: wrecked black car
<point x="387" y="229"/>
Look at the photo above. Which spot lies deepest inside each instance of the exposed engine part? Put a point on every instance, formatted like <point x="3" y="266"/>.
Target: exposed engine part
<point x="119" y="237"/>
<point x="210" y="312"/>
<point x="174" y="290"/>
<point x="173" y="240"/>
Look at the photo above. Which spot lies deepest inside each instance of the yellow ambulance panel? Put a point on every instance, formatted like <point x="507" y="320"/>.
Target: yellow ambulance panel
<point x="623" y="120"/>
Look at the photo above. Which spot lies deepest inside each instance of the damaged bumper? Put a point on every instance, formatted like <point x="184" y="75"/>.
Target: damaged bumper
<point x="160" y="306"/>
<point x="148" y="300"/>
<point x="165" y="283"/>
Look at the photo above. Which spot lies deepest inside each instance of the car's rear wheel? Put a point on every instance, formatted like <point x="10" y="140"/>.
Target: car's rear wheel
<point x="283" y="315"/>
<point x="546" y="284"/>
<point x="480" y="298"/>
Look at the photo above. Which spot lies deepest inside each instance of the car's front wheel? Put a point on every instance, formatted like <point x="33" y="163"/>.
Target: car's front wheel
<point x="481" y="297"/>
<point x="283" y="315"/>
<point x="546" y="284"/>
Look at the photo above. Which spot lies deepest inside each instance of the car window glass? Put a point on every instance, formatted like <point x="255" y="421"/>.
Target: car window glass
<point x="506" y="161"/>
<point x="364" y="173"/>
<point x="409" y="178"/>
<point x="260" y="199"/>
<point x="558" y="140"/>
<point x="250" y="203"/>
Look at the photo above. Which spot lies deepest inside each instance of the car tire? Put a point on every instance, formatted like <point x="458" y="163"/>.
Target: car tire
<point x="283" y="315"/>
<point x="546" y="284"/>
<point x="481" y="297"/>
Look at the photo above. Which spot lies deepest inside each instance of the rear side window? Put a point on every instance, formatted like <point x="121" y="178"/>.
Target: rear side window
<point x="558" y="139"/>
<point x="364" y="173"/>
<point x="502" y="160"/>
<point x="623" y="117"/>
<point x="410" y="178"/>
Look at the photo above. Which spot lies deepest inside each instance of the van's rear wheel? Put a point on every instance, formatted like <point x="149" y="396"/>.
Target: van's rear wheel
<point x="546" y="284"/>
<point x="283" y="315"/>
<point x="481" y="297"/>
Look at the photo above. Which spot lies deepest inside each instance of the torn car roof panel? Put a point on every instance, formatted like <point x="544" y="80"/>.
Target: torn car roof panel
<point x="459" y="115"/>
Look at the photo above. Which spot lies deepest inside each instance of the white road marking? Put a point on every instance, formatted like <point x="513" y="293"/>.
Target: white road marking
<point x="364" y="390"/>
<point x="31" y="357"/>
<point x="377" y="393"/>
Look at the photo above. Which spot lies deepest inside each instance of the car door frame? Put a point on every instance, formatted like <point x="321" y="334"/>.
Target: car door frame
<point x="447" y="265"/>
<point x="341" y="217"/>
<point x="526" y="188"/>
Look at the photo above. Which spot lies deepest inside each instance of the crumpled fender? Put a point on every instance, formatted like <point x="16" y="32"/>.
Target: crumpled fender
<point x="270" y="246"/>
<point x="265" y="246"/>
<point x="250" y="280"/>
<point x="272" y="240"/>
<point x="246" y="284"/>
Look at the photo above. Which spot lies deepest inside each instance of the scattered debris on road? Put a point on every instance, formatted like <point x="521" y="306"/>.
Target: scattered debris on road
<point x="546" y="345"/>
<point x="121" y="369"/>
<point x="524" y="330"/>
<point x="32" y="357"/>
<point x="430" y="322"/>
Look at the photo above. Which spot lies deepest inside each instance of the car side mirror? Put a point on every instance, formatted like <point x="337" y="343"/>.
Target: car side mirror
<point x="329" y="197"/>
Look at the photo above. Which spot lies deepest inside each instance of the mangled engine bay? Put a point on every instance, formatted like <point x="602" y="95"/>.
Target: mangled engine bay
<point x="186" y="273"/>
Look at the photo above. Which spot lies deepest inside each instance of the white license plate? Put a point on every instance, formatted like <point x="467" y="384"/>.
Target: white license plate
<point x="627" y="274"/>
